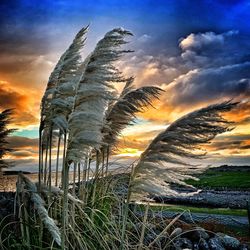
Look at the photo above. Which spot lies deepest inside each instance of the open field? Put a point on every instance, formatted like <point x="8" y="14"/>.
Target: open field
<point x="225" y="191"/>
<point x="180" y="208"/>
<point x="215" y="179"/>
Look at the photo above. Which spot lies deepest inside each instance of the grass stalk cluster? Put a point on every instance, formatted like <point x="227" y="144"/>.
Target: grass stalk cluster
<point x="82" y="110"/>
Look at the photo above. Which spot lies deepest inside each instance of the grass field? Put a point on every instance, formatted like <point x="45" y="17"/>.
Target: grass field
<point x="215" y="179"/>
<point x="179" y="208"/>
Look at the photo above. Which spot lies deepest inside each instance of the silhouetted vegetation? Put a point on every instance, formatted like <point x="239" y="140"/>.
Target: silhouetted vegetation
<point x="5" y="119"/>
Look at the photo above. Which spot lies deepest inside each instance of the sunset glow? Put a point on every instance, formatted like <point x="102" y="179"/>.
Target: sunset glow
<point x="130" y="152"/>
<point x="196" y="63"/>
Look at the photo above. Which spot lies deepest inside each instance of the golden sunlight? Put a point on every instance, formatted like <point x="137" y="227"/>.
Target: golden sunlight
<point x="129" y="152"/>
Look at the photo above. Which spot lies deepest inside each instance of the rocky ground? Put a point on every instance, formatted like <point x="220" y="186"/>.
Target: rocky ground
<point x="187" y="235"/>
<point x="227" y="220"/>
<point x="6" y="204"/>
<point x="209" y="198"/>
<point x="201" y="239"/>
<point x="180" y="238"/>
<point x="192" y="238"/>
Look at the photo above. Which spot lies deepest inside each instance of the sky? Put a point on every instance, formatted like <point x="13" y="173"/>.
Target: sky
<point x="197" y="51"/>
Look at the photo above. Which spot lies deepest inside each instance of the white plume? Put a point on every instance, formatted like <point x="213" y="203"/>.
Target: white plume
<point x="94" y="92"/>
<point x="165" y="161"/>
<point x="123" y="111"/>
<point x="39" y="206"/>
<point x="58" y="97"/>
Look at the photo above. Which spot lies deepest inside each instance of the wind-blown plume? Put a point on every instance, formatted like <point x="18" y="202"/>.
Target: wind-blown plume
<point x="57" y="102"/>
<point x="93" y="95"/>
<point x="122" y="112"/>
<point x="68" y="78"/>
<point x="39" y="206"/>
<point x="50" y="89"/>
<point x="165" y="161"/>
<point x="94" y="92"/>
<point x="63" y="77"/>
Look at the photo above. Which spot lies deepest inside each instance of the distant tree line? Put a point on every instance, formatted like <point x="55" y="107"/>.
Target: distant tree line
<point x="5" y="120"/>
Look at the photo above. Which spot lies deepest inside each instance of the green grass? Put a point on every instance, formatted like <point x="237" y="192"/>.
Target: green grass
<point x="215" y="179"/>
<point x="179" y="208"/>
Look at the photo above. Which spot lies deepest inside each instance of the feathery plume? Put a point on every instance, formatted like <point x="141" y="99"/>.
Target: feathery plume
<point x="122" y="112"/>
<point x="65" y="68"/>
<point x="68" y="78"/>
<point x="165" y="161"/>
<point x="41" y="210"/>
<point x="94" y="92"/>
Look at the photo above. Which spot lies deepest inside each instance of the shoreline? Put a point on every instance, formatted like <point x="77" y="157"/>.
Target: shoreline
<point x="8" y="181"/>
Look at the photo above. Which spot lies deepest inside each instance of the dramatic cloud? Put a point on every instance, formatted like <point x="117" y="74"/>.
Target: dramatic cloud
<point x="25" y="105"/>
<point x="18" y="142"/>
<point x="209" y="67"/>
<point x="23" y="148"/>
<point x="204" y="85"/>
<point x="201" y="41"/>
<point x="230" y="142"/>
<point x="199" y="55"/>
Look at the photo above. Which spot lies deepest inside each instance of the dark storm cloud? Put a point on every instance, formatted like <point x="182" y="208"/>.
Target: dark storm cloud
<point x="210" y="50"/>
<point x="12" y="64"/>
<point x="228" y="143"/>
<point x="216" y="66"/>
<point x="23" y="147"/>
<point x="19" y="142"/>
<point x="201" y="41"/>
<point x="209" y="65"/>
<point x="209" y="84"/>
<point x="20" y="28"/>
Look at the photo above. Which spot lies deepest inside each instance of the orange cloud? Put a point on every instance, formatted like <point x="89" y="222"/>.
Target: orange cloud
<point x="230" y="144"/>
<point x="24" y="102"/>
<point x="241" y="114"/>
<point x="24" y="75"/>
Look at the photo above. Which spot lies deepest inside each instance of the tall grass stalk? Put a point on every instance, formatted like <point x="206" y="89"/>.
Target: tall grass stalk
<point x="95" y="181"/>
<point x="145" y="217"/>
<point x="126" y="208"/>
<point x="80" y="102"/>
<point x="39" y="205"/>
<point x="79" y="176"/>
<point x="107" y="161"/>
<point x="46" y="164"/>
<point x="65" y="209"/>
<point x="57" y="157"/>
<point x="40" y="168"/>
<point x="64" y="156"/>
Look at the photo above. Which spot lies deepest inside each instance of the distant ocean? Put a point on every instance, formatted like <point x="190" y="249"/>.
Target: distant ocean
<point x="8" y="182"/>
